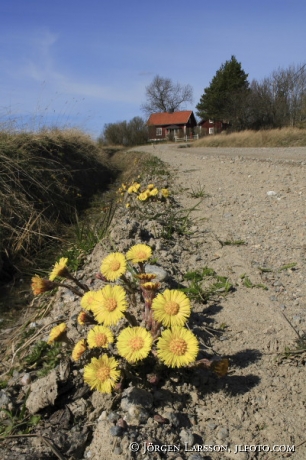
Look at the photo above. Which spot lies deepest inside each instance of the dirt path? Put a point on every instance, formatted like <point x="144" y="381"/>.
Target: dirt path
<point x="263" y="403"/>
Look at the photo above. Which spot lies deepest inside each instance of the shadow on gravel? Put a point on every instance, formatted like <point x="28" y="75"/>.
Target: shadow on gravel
<point x="240" y="384"/>
<point x="245" y="357"/>
<point x="213" y="309"/>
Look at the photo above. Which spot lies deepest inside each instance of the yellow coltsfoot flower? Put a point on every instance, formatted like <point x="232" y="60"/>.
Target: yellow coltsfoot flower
<point x="100" y="336"/>
<point x="171" y="308"/>
<point x="102" y="374"/>
<point x="165" y="192"/>
<point x="154" y="192"/>
<point x="84" y="318"/>
<point x="134" y="343"/>
<point x="143" y="196"/>
<point x="59" y="269"/>
<point x="57" y="333"/>
<point x="139" y="253"/>
<point x="177" y="347"/>
<point x="78" y="350"/>
<point x="113" y="266"/>
<point x="89" y="299"/>
<point x="40" y="285"/>
<point x="133" y="188"/>
<point x="110" y="305"/>
<point x="145" y="277"/>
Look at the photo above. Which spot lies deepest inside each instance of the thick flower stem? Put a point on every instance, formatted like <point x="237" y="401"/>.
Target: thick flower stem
<point x="155" y="328"/>
<point x="128" y="284"/>
<point x="84" y="287"/>
<point x="141" y="267"/>
<point x="148" y="312"/>
<point x="71" y="288"/>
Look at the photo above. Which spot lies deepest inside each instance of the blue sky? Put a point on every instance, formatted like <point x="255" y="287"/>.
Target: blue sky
<point x="87" y="63"/>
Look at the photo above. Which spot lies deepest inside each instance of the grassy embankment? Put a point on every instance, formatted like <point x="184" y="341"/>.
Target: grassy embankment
<point x="56" y="200"/>
<point x="285" y="137"/>
<point x="46" y="180"/>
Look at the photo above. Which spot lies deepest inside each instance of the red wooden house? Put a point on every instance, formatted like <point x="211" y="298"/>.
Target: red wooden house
<point x="212" y="127"/>
<point x="167" y="125"/>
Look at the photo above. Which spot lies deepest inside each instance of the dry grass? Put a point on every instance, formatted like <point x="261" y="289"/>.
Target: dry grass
<point x="44" y="178"/>
<point x="285" y="137"/>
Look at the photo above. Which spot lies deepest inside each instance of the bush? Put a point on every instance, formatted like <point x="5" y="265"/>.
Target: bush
<point x="134" y="132"/>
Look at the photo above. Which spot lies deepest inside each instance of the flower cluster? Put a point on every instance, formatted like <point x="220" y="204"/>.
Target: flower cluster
<point x="135" y="191"/>
<point x="112" y="327"/>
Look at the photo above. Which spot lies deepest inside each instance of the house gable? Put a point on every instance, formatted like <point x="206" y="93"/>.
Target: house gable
<point x="208" y="126"/>
<point x="162" y="124"/>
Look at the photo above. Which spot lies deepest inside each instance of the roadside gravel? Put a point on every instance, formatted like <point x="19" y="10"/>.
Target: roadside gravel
<point x="263" y="402"/>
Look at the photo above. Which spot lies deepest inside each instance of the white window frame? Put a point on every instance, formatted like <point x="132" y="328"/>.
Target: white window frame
<point x="159" y="131"/>
<point x="211" y="130"/>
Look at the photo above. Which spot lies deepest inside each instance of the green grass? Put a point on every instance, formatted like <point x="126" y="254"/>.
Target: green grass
<point x="201" y="292"/>
<point x="198" y="191"/>
<point x="153" y="166"/>
<point x="248" y="283"/>
<point x="17" y="421"/>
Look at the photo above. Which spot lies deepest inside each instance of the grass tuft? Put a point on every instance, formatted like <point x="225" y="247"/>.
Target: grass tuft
<point x="44" y="178"/>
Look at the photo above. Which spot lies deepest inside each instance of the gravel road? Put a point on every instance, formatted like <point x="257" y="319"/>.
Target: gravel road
<point x="257" y="196"/>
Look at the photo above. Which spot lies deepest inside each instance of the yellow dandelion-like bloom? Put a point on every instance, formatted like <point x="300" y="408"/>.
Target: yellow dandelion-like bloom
<point x="145" y="277"/>
<point x="177" y="347"/>
<point x="59" y="269"/>
<point x="133" y="188"/>
<point x="165" y="192"/>
<point x="139" y="253"/>
<point x="84" y="318"/>
<point x="57" y="332"/>
<point x="102" y="374"/>
<point x="89" y="299"/>
<point x="150" y="186"/>
<point x="40" y="285"/>
<point x="127" y="205"/>
<point x="154" y="192"/>
<point x="144" y="195"/>
<point x="149" y="286"/>
<point x="134" y="343"/>
<point x="79" y="349"/>
<point x="171" y="308"/>
<point x="100" y="336"/>
<point x="113" y="266"/>
<point x="110" y="305"/>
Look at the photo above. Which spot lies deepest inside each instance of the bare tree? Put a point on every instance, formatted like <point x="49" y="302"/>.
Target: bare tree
<point x="279" y="100"/>
<point x="163" y="95"/>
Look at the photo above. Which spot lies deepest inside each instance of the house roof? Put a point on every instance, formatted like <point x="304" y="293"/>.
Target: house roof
<point x="174" y="118"/>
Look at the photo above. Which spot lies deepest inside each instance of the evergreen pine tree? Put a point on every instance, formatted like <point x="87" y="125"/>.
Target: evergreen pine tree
<point x="225" y="97"/>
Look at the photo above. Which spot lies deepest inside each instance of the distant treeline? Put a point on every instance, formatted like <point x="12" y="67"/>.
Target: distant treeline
<point x="127" y="133"/>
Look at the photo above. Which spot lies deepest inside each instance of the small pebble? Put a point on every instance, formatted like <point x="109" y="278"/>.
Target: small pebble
<point x="26" y="379"/>
<point x="116" y="431"/>
<point x="113" y="417"/>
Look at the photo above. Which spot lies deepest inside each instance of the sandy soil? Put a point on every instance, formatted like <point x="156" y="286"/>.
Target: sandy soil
<point x="264" y="402"/>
